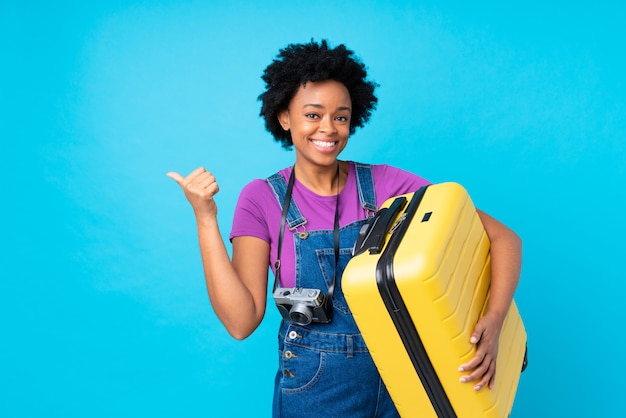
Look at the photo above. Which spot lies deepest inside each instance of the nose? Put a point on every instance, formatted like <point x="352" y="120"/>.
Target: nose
<point x="327" y="125"/>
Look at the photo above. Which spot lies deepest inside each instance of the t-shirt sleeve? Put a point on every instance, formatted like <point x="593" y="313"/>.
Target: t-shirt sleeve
<point x="251" y="213"/>
<point x="390" y="181"/>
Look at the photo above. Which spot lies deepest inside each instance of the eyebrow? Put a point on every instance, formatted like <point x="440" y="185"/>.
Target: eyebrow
<point x="318" y="106"/>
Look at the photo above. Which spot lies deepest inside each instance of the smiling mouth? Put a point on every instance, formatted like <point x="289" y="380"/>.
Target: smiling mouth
<point x="324" y="144"/>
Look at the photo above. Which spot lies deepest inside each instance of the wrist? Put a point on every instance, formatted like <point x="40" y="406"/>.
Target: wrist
<point x="497" y="315"/>
<point x="206" y="220"/>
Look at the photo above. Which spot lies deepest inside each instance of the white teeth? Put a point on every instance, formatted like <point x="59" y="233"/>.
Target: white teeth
<point x="324" y="144"/>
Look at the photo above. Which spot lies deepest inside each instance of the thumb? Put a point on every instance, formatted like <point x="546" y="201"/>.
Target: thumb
<point x="176" y="177"/>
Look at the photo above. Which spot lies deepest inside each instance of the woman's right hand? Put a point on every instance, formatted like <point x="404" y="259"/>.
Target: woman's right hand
<point x="199" y="188"/>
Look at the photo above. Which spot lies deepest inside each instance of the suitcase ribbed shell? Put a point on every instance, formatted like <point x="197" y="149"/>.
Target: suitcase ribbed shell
<point x="442" y="272"/>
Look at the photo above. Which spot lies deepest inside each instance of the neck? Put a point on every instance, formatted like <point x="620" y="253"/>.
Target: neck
<point x="324" y="181"/>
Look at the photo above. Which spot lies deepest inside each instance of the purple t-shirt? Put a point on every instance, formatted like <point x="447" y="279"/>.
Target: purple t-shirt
<point x="258" y="213"/>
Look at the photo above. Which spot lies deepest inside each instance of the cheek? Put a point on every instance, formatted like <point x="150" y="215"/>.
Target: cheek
<point x="303" y="126"/>
<point x="344" y="144"/>
<point x="345" y="131"/>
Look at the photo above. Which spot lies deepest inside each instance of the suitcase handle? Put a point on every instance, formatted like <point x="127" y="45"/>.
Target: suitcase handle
<point x="372" y="234"/>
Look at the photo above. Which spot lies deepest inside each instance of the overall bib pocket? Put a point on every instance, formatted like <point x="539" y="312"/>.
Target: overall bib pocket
<point x="326" y="262"/>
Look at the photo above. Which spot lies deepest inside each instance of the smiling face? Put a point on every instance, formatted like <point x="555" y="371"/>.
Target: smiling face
<point x="318" y="118"/>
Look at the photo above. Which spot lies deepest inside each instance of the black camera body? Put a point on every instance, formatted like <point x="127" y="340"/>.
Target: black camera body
<point x="303" y="306"/>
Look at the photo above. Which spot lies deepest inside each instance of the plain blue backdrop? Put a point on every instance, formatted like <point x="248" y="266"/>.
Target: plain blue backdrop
<point x="102" y="302"/>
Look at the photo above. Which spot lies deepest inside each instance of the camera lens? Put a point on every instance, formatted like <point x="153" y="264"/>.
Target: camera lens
<point x="301" y="314"/>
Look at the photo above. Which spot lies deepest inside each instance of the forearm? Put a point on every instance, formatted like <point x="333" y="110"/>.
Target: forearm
<point x="505" y="272"/>
<point x="506" y="261"/>
<point x="232" y="301"/>
<point x="506" y="258"/>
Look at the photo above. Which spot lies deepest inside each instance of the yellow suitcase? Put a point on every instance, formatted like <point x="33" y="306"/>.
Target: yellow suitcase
<point x="417" y="285"/>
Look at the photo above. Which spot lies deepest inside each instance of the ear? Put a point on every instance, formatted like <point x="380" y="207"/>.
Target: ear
<point x="283" y="119"/>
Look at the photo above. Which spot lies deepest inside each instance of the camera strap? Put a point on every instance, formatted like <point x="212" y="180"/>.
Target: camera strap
<point x="283" y="221"/>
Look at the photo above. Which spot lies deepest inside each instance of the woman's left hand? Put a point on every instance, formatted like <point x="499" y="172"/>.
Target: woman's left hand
<point x="482" y="367"/>
<point x="506" y="259"/>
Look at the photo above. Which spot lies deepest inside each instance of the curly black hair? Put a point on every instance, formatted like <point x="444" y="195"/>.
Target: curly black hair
<point x="297" y="64"/>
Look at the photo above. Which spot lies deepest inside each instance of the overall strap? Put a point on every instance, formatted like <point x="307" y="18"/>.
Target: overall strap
<point x="365" y="182"/>
<point x="365" y="185"/>
<point x="279" y="186"/>
<point x="283" y="221"/>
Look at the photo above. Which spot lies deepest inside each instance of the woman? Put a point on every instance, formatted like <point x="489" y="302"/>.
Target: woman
<point x="315" y="97"/>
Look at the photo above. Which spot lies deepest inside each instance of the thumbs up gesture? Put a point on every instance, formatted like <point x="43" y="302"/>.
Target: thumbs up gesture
<point x="199" y="188"/>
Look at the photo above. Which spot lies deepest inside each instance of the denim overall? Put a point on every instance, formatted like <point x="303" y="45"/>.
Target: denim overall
<point x="325" y="370"/>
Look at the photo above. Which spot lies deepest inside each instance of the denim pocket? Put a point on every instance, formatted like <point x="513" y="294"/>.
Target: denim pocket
<point x="301" y="367"/>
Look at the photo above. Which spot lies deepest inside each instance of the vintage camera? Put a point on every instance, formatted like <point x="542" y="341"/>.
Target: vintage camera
<point x="303" y="306"/>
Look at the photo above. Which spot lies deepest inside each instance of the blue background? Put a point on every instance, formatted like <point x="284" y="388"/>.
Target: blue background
<point x="102" y="302"/>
